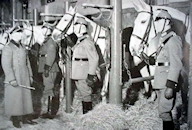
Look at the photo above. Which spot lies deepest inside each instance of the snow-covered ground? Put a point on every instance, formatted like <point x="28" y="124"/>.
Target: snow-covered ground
<point x="142" y="116"/>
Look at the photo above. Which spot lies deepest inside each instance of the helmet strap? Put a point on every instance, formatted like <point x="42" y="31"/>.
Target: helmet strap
<point x="163" y="26"/>
<point x="80" y="31"/>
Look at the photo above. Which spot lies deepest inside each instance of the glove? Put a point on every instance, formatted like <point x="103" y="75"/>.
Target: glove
<point x="46" y="70"/>
<point x="31" y="79"/>
<point x="170" y="90"/>
<point x="151" y="60"/>
<point x="91" y="79"/>
<point x="14" y="83"/>
<point x="169" y="93"/>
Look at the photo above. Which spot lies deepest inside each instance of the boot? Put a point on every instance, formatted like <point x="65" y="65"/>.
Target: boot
<point x="15" y="121"/>
<point x="48" y="113"/>
<point x="168" y="125"/>
<point x="87" y="106"/>
<point x="54" y="105"/>
<point x="27" y="120"/>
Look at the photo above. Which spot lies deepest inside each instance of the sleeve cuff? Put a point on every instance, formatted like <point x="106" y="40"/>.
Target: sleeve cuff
<point x="47" y="67"/>
<point x="12" y="80"/>
<point x="171" y="84"/>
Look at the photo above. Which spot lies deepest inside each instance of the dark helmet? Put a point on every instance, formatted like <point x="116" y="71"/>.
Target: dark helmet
<point x="163" y="15"/>
<point x="81" y="20"/>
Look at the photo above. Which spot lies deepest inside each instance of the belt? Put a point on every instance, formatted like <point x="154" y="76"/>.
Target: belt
<point x="43" y="55"/>
<point x="82" y="59"/>
<point x="162" y="63"/>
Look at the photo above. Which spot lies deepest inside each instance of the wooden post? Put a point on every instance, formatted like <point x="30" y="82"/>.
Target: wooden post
<point x="35" y="17"/>
<point x="13" y="11"/>
<point x="115" y="90"/>
<point x="24" y="10"/>
<point x="189" y="114"/>
<point x="67" y="76"/>
<point x="2" y="13"/>
<point x="68" y="83"/>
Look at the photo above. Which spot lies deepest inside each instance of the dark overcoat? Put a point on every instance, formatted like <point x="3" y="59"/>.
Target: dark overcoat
<point x="48" y="54"/>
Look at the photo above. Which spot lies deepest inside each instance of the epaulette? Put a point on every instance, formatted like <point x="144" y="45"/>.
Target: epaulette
<point x="46" y="39"/>
<point x="168" y="36"/>
<point x="83" y="38"/>
<point x="12" y="42"/>
<point x="164" y="41"/>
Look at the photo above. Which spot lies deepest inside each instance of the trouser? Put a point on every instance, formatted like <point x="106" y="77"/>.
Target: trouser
<point x="50" y="98"/>
<point x="85" y="95"/>
<point x="84" y="90"/>
<point x="165" y="106"/>
<point x="50" y="105"/>
<point x="49" y="83"/>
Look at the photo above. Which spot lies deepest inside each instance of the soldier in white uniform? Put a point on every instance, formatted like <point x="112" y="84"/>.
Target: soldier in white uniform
<point x="84" y="63"/>
<point x="168" y="68"/>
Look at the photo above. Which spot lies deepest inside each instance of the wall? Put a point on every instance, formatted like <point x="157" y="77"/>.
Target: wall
<point x="5" y="15"/>
<point x="18" y="13"/>
<point x="58" y="7"/>
<point x="164" y="2"/>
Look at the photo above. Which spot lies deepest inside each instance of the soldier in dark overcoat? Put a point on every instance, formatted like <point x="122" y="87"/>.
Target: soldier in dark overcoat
<point x="168" y="68"/>
<point x="84" y="63"/>
<point x="48" y="66"/>
<point x="17" y="69"/>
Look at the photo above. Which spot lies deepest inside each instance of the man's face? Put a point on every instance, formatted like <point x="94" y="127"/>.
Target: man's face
<point x="16" y="36"/>
<point x="160" y="24"/>
<point x="79" y="29"/>
<point x="46" y="31"/>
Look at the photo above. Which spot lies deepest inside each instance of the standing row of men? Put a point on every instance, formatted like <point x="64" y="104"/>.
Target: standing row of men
<point x="17" y="70"/>
<point x="168" y="63"/>
<point x="18" y="73"/>
<point x="83" y="70"/>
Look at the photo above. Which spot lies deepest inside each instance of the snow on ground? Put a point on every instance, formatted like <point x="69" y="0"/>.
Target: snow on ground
<point x="142" y="116"/>
<point x="102" y="117"/>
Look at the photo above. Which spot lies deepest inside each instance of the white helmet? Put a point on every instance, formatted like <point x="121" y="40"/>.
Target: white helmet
<point x="163" y="15"/>
<point x="81" y="20"/>
<point x="47" y="25"/>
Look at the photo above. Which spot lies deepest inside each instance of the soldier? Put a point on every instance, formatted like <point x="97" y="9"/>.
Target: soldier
<point x="84" y="63"/>
<point x="48" y="66"/>
<point x="18" y="76"/>
<point x="168" y="68"/>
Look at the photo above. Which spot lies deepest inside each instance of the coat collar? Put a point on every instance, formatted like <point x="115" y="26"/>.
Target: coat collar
<point x="80" y="39"/>
<point x="15" y="43"/>
<point x="85" y="35"/>
<point x="166" y="32"/>
<point x="47" y="38"/>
